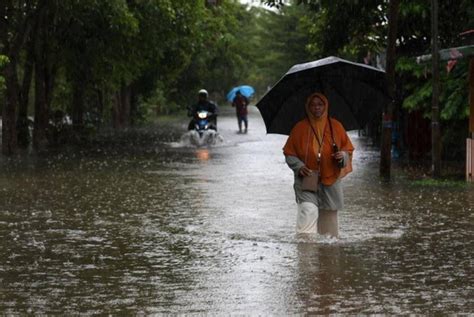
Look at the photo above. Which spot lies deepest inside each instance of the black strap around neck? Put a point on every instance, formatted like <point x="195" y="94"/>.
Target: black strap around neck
<point x="332" y="133"/>
<point x="316" y="135"/>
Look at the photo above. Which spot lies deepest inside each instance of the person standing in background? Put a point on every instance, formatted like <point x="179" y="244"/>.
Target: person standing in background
<point x="240" y="103"/>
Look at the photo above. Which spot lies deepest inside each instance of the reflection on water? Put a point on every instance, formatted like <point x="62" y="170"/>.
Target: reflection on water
<point x="148" y="228"/>
<point x="203" y="154"/>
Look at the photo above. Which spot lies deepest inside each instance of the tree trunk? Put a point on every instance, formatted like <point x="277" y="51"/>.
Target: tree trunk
<point x="133" y="108"/>
<point x="23" y="124"/>
<point x="78" y="106"/>
<point x="11" y="46"/>
<point x="9" y="134"/>
<point x="116" y="110"/>
<point x="435" y="132"/>
<point x="100" y="106"/>
<point x="471" y="98"/>
<point x="121" y="108"/>
<point x="44" y="79"/>
<point x="41" y="108"/>
<point x="387" y="120"/>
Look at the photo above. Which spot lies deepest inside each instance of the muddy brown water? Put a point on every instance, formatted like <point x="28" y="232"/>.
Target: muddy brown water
<point x="170" y="228"/>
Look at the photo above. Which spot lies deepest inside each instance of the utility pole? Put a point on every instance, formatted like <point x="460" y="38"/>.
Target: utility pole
<point x="470" y="139"/>
<point x="435" y="129"/>
<point x="387" y="120"/>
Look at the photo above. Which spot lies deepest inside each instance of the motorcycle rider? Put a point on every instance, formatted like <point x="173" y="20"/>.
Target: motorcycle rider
<point x="203" y="104"/>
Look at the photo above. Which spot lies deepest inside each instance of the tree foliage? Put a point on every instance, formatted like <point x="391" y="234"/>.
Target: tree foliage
<point x="119" y="62"/>
<point x="351" y="28"/>
<point x="416" y="41"/>
<point x="3" y="62"/>
<point x="283" y="39"/>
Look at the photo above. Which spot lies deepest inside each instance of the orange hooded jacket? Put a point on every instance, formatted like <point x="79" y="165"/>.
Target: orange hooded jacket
<point x="302" y="143"/>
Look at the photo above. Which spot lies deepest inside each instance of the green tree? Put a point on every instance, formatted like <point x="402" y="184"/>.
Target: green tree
<point x="280" y="42"/>
<point x="169" y="36"/>
<point x="220" y="53"/>
<point x="16" y="22"/>
<point x="3" y="62"/>
<point x="275" y="40"/>
<point x="351" y="28"/>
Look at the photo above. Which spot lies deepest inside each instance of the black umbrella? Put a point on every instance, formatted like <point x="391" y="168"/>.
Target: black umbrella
<point x="356" y="94"/>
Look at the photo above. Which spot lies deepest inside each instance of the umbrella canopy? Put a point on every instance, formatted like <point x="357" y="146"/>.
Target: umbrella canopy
<point x="356" y="93"/>
<point x="245" y="90"/>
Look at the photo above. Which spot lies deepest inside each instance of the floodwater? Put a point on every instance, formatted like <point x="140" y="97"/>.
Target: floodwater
<point x="157" y="226"/>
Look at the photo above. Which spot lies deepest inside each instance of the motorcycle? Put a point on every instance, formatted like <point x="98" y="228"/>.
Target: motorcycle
<point x="202" y="122"/>
<point x="204" y="132"/>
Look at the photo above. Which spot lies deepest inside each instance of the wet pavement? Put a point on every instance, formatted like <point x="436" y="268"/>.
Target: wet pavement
<point x="163" y="227"/>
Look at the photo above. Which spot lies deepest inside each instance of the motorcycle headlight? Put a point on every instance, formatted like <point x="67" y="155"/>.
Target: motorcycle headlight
<point x="202" y="115"/>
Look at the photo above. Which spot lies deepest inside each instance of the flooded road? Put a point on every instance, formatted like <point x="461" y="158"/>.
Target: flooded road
<point x="160" y="227"/>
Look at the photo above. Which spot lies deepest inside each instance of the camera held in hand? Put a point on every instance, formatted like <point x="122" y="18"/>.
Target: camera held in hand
<point x="335" y="148"/>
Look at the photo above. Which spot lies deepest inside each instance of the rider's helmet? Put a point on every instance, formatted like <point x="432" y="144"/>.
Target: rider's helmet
<point x="203" y="92"/>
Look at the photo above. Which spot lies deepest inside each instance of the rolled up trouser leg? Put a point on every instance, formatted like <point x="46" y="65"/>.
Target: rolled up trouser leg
<point x="307" y="218"/>
<point x="328" y="223"/>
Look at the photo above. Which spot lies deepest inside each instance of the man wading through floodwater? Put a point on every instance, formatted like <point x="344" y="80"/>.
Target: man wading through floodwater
<point x="319" y="152"/>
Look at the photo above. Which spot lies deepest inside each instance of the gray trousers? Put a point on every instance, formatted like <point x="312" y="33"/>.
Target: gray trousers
<point x="327" y="197"/>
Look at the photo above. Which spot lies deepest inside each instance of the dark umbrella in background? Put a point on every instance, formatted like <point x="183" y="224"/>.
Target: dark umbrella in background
<point x="356" y="94"/>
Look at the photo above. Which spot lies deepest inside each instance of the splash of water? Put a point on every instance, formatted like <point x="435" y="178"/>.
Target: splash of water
<point x="194" y="139"/>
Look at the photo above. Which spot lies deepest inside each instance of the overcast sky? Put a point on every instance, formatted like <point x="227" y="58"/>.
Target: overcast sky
<point x="256" y="3"/>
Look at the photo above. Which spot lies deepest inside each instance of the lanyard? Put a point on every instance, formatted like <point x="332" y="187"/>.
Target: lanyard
<point x="320" y="142"/>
